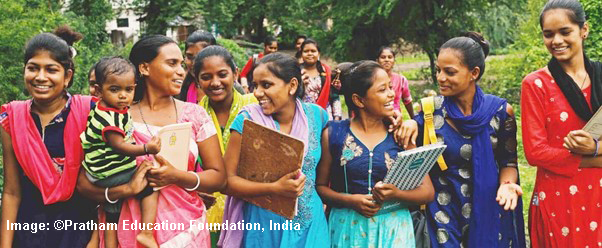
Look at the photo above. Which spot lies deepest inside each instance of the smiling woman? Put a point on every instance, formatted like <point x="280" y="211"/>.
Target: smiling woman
<point x="557" y="101"/>
<point x="159" y="72"/>
<point x="477" y="197"/>
<point x="42" y="150"/>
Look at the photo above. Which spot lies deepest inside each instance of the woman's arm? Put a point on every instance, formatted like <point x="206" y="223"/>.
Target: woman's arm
<point x="410" y="109"/>
<point x="135" y="186"/>
<point x="11" y="197"/>
<point x="363" y="204"/>
<point x="210" y="180"/>
<point x="538" y="150"/>
<point x="238" y="186"/>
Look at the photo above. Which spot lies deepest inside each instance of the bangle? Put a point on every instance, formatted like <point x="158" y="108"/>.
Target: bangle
<point x="145" y="151"/>
<point x="198" y="182"/>
<point x="597" y="144"/>
<point x="107" y="197"/>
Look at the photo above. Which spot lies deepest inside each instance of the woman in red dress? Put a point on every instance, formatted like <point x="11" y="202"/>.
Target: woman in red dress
<point x="557" y="101"/>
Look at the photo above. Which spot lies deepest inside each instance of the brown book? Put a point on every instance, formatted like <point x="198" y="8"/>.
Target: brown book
<point x="266" y="155"/>
<point x="594" y="125"/>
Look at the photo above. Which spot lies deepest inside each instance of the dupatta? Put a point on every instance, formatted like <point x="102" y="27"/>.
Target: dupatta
<point x="233" y="211"/>
<point x="33" y="156"/>
<point x="484" y="220"/>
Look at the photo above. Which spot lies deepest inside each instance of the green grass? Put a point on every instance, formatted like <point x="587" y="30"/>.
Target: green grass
<point x="413" y="58"/>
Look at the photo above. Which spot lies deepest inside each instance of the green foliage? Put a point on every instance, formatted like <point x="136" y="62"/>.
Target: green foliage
<point x="157" y="14"/>
<point x="239" y="53"/>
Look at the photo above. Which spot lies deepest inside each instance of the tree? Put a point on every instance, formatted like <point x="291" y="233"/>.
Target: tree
<point x="156" y="14"/>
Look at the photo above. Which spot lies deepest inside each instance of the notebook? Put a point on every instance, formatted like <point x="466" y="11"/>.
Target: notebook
<point x="175" y="145"/>
<point x="409" y="170"/>
<point x="265" y="156"/>
<point x="594" y="125"/>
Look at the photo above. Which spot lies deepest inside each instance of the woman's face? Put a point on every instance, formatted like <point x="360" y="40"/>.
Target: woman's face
<point x="379" y="97"/>
<point x="191" y="52"/>
<point x="453" y="76"/>
<point x="45" y="78"/>
<point x="271" y="48"/>
<point x="386" y="59"/>
<point x="216" y="78"/>
<point x="310" y="54"/>
<point x="562" y="37"/>
<point x="272" y="92"/>
<point x="298" y="43"/>
<point x="165" y="73"/>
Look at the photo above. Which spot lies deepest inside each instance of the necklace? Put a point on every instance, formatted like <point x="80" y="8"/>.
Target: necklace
<point x="142" y="115"/>
<point x="583" y="83"/>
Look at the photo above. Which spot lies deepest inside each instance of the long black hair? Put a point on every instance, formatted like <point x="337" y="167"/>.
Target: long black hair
<point x="58" y="44"/>
<point x="284" y="67"/>
<point x="144" y="51"/>
<point x="473" y="49"/>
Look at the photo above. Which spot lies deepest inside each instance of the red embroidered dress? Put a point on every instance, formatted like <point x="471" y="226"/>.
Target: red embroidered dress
<point x="566" y="207"/>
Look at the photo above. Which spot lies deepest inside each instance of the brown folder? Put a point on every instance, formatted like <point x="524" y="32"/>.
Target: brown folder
<point x="265" y="156"/>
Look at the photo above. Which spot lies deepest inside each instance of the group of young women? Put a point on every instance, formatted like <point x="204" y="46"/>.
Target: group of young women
<point x="473" y="199"/>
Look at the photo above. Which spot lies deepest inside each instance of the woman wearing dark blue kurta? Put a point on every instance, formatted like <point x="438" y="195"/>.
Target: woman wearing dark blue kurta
<point x="356" y="156"/>
<point x="42" y="153"/>
<point x="480" y="133"/>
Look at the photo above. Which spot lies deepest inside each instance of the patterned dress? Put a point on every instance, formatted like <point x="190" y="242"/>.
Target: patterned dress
<point x="566" y="207"/>
<point x="77" y="209"/>
<point x="450" y="214"/>
<point x="312" y="92"/>
<point x="310" y="216"/>
<point x="356" y="169"/>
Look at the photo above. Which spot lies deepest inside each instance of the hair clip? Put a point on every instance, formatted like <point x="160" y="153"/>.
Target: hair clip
<point x="73" y="51"/>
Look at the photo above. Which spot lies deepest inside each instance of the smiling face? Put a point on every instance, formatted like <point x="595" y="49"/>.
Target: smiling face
<point x="271" y="48"/>
<point x="191" y="52"/>
<point x="562" y="37"/>
<point x="165" y="73"/>
<point x="216" y="78"/>
<point x="453" y="76"/>
<point x="379" y="97"/>
<point x="272" y="92"/>
<point x="45" y="78"/>
<point x="118" y="90"/>
<point x="386" y="59"/>
<point x="310" y="54"/>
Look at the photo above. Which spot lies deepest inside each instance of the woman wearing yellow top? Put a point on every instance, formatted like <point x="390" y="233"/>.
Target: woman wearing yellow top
<point x="215" y="70"/>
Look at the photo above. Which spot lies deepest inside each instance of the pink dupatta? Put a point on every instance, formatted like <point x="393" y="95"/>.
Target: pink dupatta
<point x="176" y="207"/>
<point x="33" y="156"/>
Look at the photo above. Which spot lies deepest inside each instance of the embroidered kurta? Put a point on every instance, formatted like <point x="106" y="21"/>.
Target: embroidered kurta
<point x="356" y="169"/>
<point x="566" y="208"/>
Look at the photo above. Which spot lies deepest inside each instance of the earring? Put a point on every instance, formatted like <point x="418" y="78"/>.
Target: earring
<point x="291" y="93"/>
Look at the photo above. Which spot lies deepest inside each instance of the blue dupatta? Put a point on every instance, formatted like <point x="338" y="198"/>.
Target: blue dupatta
<point x="484" y="219"/>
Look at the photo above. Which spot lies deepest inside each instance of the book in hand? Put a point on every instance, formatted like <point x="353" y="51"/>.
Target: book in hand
<point x="266" y="155"/>
<point x="410" y="168"/>
<point x="594" y="125"/>
<point x="175" y="145"/>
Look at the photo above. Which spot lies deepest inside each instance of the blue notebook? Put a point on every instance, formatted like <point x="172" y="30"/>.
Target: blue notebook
<point x="409" y="169"/>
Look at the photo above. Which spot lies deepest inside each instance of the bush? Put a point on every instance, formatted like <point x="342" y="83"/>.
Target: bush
<point x="241" y="55"/>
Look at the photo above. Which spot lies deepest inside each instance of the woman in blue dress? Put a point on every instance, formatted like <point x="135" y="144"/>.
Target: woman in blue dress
<point x="480" y="133"/>
<point x="278" y="88"/>
<point x="356" y="155"/>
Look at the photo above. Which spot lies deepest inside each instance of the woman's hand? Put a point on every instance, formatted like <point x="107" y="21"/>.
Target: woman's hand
<point x="336" y="84"/>
<point x="384" y="192"/>
<point x="139" y="181"/>
<point x="364" y="204"/>
<point x="580" y="142"/>
<point x="507" y="195"/>
<point x="163" y="175"/>
<point x="406" y="134"/>
<point x="290" y="185"/>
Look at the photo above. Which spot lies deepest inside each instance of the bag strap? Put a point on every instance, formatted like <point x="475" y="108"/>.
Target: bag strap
<point x="428" y="107"/>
